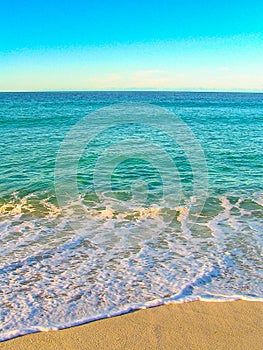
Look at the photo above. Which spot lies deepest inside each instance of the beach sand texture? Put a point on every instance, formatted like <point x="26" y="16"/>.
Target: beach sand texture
<point x="194" y="325"/>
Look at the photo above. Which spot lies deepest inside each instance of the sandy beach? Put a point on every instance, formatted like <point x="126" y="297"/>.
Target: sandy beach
<point x="194" y="325"/>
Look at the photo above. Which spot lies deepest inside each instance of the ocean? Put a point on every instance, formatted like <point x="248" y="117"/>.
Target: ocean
<point x="115" y="201"/>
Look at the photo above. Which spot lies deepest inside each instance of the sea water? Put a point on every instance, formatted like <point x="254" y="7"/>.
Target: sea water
<point x="106" y="252"/>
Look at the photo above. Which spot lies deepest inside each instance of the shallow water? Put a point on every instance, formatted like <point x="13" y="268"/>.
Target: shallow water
<point x="110" y="251"/>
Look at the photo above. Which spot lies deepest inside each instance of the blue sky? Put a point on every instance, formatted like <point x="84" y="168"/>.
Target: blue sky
<point x="163" y="45"/>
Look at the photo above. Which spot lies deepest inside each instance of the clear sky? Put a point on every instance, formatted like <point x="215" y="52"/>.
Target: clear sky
<point x="139" y="44"/>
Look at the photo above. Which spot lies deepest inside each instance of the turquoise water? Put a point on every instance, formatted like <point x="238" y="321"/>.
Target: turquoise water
<point x="133" y="243"/>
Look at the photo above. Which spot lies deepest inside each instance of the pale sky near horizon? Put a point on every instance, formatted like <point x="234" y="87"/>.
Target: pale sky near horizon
<point x="141" y="45"/>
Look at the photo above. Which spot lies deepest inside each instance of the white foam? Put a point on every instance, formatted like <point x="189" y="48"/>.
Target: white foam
<point x="53" y="277"/>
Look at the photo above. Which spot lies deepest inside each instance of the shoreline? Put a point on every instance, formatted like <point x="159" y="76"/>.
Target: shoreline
<point x="190" y="325"/>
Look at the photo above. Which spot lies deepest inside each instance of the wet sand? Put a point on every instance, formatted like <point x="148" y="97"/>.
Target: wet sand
<point x="194" y="325"/>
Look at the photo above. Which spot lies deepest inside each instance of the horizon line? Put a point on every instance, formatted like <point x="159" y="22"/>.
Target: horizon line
<point x="137" y="90"/>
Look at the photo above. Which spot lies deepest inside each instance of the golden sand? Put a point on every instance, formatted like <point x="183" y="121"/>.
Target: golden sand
<point x="194" y="325"/>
